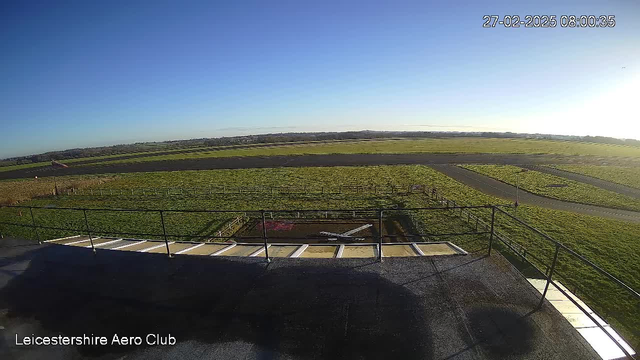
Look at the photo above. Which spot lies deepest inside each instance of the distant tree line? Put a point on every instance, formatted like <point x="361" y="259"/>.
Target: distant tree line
<point x="288" y="137"/>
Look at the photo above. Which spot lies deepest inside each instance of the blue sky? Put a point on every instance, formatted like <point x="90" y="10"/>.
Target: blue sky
<point x="91" y="73"/>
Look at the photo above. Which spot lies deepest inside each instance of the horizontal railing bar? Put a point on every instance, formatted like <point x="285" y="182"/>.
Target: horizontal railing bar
<point x="525" y="259"/>
<point x="571" y="252"/>
<point x="258" y="211"/>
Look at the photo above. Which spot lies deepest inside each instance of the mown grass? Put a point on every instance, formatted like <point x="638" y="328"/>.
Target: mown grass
<point x="624" y="175"/>
<point x="10" y="167"/>
<point x="451" y="145"/>
<point x="387" y="146"/>
<point x="611" y="244"/>
<point x="543" y="184"/>
<point x="13" y="192"/>
<point x="92" y="158"/>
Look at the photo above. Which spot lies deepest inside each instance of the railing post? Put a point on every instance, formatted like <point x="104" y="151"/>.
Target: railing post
<point x="553" y="266"/>
<point x="380" y="235"/>
<point x="164" y="233"/>
<point x="264" y="236"/>
<point x="86" y="224"/>
<point x="35" y="228"/>
<point x="493" y="220"/>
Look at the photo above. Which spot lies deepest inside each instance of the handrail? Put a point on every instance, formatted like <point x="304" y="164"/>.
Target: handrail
<point x="565" y="248"/>
<point x="372" y="212"/>
<point x="488" y="206"/>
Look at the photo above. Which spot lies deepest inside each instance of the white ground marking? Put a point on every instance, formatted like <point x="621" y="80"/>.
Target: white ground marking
<point x="351" y="232"/>
<point x="346" y="234"/>
<point x="64" y="238"/>
<point x="223" y="250"/>
<point x="79" y="241"/>
<point x="299" y="251"/>
<point x="417" y="249"/>
<point x="260" y="251"/>
<point x="155" y="247"/>
<point x="124" y="246"/>
<point x="106" y="243"/>
<point x="457" y="248"/>
<point x="189" y="249"/>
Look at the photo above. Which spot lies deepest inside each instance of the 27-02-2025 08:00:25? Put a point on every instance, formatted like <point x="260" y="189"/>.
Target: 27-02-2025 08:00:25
<point x="550" y="21"/>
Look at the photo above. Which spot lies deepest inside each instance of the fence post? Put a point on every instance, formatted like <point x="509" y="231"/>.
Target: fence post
<point x="164" y="233"/>
<point x="380" y="235"/>
<point x="86" y="223"/>
<point x="264" y="236"/>
<point x="493" y="220"/>
<point x="35" y="228"/>
<point x="553" y="266"/>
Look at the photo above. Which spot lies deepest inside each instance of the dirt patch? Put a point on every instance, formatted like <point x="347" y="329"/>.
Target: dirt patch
<point x="281" y="251"/>
<point x="320" y="252"/>
<point x="437" y="249"/>
<point x="359" y="251"/>
<point x="398" y="250"/>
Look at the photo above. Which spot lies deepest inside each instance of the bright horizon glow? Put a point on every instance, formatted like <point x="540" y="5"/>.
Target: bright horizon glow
<point x="88" y="74"/>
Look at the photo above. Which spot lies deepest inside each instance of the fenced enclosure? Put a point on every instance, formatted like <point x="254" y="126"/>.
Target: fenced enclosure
<point x="473" y="228"/>
<point x="415" y="224"/>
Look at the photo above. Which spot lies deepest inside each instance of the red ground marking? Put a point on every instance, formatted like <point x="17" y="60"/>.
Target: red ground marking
<point x="273" y="225"/>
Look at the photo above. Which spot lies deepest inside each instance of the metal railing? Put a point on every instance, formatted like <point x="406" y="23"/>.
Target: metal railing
<point x="370" y="214"/>
<point x="480" y="226"/>
<point x="245" y="190"/>
<point x="551" y="270"/>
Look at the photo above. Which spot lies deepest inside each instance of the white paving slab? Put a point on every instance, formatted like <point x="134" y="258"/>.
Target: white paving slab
<point x="595" y="336"/>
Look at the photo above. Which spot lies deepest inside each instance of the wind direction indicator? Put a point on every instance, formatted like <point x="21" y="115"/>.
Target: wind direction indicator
<point x="346" y="235"/>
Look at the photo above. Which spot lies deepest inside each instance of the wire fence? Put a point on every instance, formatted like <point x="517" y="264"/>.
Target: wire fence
<point x="390" y="189"/>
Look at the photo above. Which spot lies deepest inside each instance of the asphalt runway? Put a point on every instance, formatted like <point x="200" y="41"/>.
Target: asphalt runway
<point x="441" y="162"/>
<point x="250" y="162"/>
<point x="502" y="190"/>
<point x="604" y="184"/>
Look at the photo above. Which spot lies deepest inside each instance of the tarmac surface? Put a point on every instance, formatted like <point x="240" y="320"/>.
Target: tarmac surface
<point x="604" y="184"/>
<point x="502" y="190"/>
<point x="461" y="307"/>
<point x="313" y="161"/>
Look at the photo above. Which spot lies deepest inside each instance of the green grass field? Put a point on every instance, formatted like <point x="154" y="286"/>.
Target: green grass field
<point x="453" y="145"/>
<point x="610" y="244"/>
<point x="543" y="184"/>
<point x="396" y="146"/>
<point x="623" y="175"/>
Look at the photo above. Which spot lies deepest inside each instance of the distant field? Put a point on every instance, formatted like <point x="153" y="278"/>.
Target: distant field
<point x="165" y="152"/>
<point x="556" y="187"/>
<point x="16" y="191"/>
<point x="93" y="158"/>
<point x="452" y="145"/>
<point x="611" y="244"/>
<point x="624" y="175"/>
<point x="444" y="145"/>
